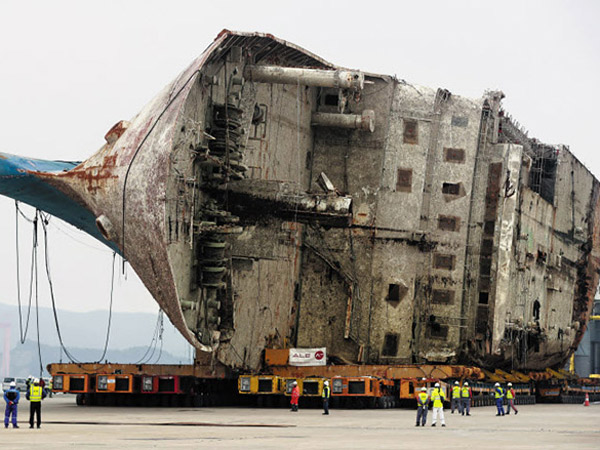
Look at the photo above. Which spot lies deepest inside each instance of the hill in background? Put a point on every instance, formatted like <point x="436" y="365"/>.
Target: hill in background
<point x="84" y="334"/>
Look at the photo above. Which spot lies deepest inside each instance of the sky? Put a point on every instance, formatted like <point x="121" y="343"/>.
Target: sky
<point x="69" y="70"/>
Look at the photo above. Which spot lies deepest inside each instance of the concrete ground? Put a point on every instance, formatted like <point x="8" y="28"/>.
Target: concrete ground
<point x="67" y="425"/>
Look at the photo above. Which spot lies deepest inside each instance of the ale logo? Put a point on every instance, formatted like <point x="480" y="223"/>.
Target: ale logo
<point x="319" y="355"/>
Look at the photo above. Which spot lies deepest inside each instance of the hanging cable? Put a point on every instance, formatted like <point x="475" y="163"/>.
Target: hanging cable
<point x="160" y="337"/>
<point x="23" y="333"/>
<point x="44" y="222"/>
<point x="148" y="354"/>
<point x="70" y="236"/>
<point x="112" y="286"/>
<point x="37" y="310"/>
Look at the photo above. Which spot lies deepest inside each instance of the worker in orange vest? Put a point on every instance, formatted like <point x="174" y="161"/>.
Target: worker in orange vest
<point x="295" y="396"/>
<point x="510" y="396"/>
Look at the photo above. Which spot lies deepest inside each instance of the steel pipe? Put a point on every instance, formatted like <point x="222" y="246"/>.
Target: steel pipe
<point x="306" y="77"/>
<point x="365" y="122"/>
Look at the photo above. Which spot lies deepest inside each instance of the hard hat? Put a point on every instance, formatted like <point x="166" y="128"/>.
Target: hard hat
<point x="437" y="384"/>
<point x="326" y="383"/>
<point x="456" y="382"/>
<point x="509" y="384"/>
<point x="423" y="388"/>
<point x="13" y="384"/>
<point x="36" y="380"/>
<point x="497" y="384"/>
<point x="465" y="384"/>
<point x="295" y="383"/>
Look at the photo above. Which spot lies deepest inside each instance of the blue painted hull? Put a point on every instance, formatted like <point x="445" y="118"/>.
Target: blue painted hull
<point x="19" y="180"/>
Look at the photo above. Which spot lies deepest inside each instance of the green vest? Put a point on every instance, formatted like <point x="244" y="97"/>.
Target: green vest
<point x="456" y="392"/>
<point x="326" y="392"/>
<point x="465" y="392"/>
<point x="422" y="400"/>
<point x="35" y="394"/>
<point x="498" y="392"/>
<point x="509" y="394"/>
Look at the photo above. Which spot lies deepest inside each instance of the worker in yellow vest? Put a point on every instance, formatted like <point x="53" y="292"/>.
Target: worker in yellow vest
<point x="455" y="402"/>
<point x="35" y="395"/>
<point x="325" y="394"/>
<point x="465" y="399"/>
<point x="422" y="401"/>
<point x="510" y="397"/>
<point x="438" y="397"/>
<point x="499" y="396"/>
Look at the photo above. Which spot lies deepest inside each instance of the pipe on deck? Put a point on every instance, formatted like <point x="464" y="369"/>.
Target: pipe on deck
<point x="364" y="122"/>
<point x="345" y="79"/>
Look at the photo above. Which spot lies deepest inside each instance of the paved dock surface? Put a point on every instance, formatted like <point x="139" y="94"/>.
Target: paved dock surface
<point x="66" y="425"/>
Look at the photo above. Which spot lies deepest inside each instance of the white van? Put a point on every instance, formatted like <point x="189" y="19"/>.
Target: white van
<point x="6" y="383"/>
<point x="21" y="384"/>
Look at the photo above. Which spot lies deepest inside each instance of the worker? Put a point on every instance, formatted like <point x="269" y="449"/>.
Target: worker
<point x="35" y="395"/>
<point x="510" y="396"/>
<point x="422" y="401"/>
<point x="295" y="396"/>
<point x="438" y="397"/>
<point x="499" y="396"/>
<point x="325" y="394"/>
<point x="11" y="397"/>
<point x="465" y="399"/>
<point x="50" y="384"/>
<point x="455" y="402"/>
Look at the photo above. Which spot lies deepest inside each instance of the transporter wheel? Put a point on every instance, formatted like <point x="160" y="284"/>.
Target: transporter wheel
<point x="80" y="399"/>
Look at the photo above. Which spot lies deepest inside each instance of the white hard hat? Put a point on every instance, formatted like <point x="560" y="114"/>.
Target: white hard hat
<point x="326" y="383"/>
<point x="509" y="384"/>
<point x="456" y="382"/>
<point x="437" y="384"/>
<point x="497" y="384"/>
<point x="13" y="384"/>
<point x="36" y="380"/>
<point x="423" y="388"/>
<point x="295" y="383"/>
<point x="465" y="384"/>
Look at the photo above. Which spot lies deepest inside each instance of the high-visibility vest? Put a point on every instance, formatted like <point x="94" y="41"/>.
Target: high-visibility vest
<point x="456" y="392"/>
<point x="35" y="393"/>
<point x="326" y="392"/>
<point x="438" y="398"/>
<point x="498" y="393"/>
<point x="509" y="394"/>
<point x="422" y="398"/>
<point x="465" y="392"/>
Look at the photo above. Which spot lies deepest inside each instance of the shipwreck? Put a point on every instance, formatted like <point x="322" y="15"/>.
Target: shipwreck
<point x="267" y="199"/>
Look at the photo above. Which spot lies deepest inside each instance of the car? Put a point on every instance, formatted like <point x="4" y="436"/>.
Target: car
<point x="6" y="383"/>
<point x="21" y="384"/>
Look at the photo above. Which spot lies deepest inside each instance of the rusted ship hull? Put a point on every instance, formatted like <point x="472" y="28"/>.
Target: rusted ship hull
<point x="438" y="232"/>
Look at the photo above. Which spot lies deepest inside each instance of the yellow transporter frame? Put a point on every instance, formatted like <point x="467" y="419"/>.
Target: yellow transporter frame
<point x="309" y="387"/>
<point x="260" y="384"/>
